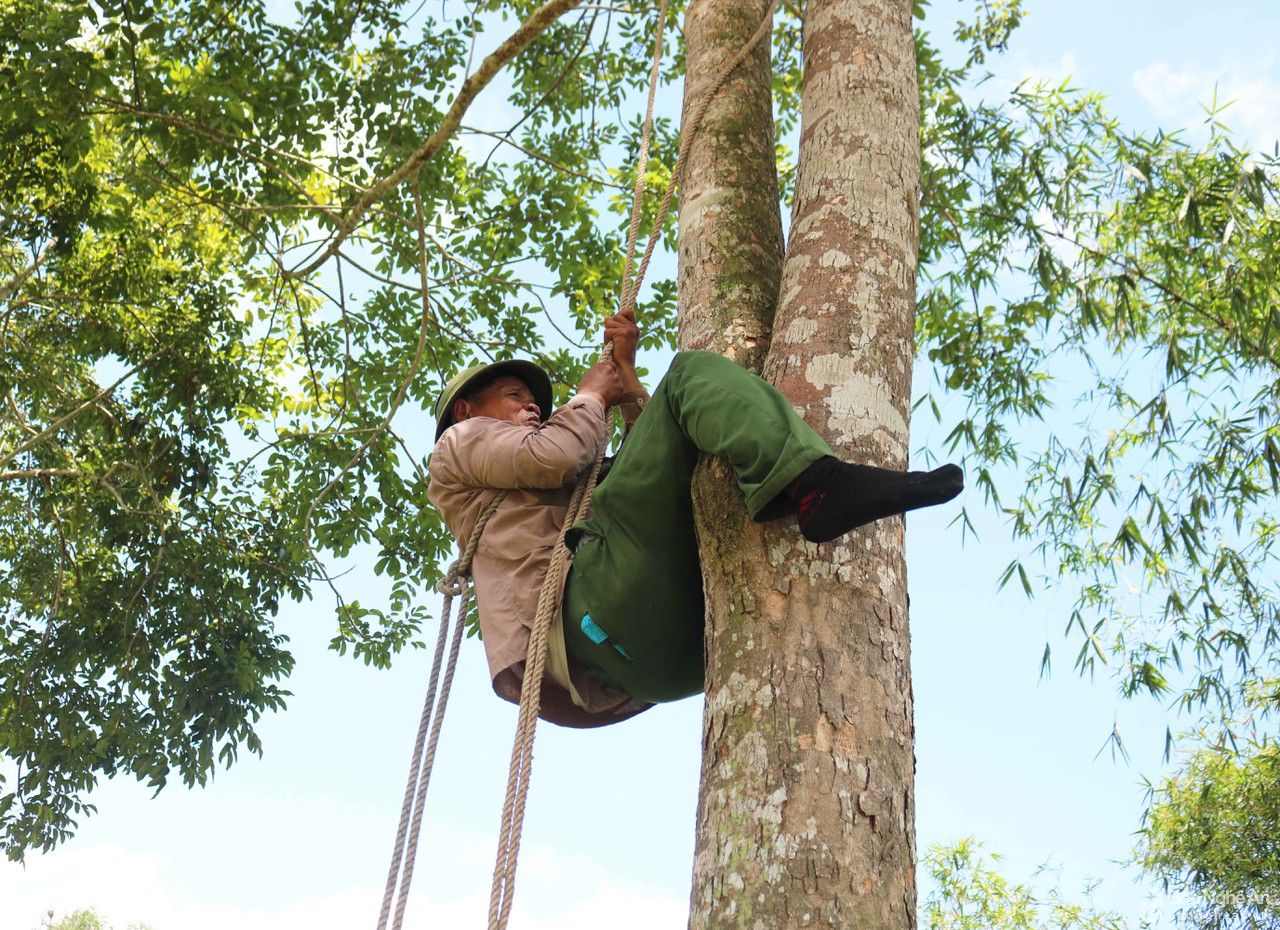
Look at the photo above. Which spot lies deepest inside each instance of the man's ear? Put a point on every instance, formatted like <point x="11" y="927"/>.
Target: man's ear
<point x="461" y="410"/>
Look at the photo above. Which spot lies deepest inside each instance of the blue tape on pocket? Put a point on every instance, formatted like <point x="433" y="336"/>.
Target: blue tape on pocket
<point x="600" y="637"/>
<point x="593" y="631"/>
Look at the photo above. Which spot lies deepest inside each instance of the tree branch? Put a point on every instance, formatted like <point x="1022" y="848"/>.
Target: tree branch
<point x="7" y="457"/>
<point x="12" y="286"/>
<point x="232" y="144"/>
<point x="529" y="30"/>
<point x="28" y="473"/>
<point x="21" y="473"/>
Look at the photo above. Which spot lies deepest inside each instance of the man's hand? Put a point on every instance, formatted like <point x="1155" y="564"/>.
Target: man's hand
<point x="603" y="381"/>
<point x="623" y="332"/>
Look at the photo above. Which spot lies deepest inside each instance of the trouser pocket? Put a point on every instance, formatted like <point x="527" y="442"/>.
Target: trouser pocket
<point x="628" y="623"/>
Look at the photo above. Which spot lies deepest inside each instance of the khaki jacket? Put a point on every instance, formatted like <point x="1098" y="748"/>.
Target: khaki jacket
<point x="473" y="461"/>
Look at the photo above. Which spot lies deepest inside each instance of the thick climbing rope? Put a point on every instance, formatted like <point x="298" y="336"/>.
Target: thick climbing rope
<point x="502" y="892"/>
<point x="455" y="581"/>
<point x="453" y="584"/>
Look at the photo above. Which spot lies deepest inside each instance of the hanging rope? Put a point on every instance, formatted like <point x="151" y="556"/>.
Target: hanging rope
<point x="502" y="892"/>
<point x="455" y="584"/>
<point x="688" y="132"/>
<point x="642" y="165"/>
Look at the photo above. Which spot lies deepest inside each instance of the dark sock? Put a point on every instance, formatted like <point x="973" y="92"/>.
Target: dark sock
<point x="832" y="497"/>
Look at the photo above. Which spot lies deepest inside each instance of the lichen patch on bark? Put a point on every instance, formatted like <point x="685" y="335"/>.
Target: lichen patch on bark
<point x="800" y="331"/>
<point x="858" y="403"/>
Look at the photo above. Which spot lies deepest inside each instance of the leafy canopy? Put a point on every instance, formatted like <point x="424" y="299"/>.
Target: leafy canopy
<point x="190" y="431"/>
<point x="1210" y="833"/>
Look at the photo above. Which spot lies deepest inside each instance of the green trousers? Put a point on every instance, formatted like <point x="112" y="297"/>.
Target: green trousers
<point x="633" y="602"/>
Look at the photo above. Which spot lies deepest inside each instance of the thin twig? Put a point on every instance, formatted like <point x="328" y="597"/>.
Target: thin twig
<point x="564" y="169"/>
<point x="421" y="223"/>
<point x="233" y="144"/>
<point x="12" y="286"/>
<point x="546" y="94"/>
<point x="216" y="137"/>
<point x="401" y="392"/>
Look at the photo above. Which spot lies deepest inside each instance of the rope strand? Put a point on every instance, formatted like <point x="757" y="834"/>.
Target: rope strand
<point x="411" y="853"/>
<point x="410" y="789"/>
<point x="688" y="132"/>
<point x="502" y="892"/>
<point x="642" y="163"/>
<point x="453" y="584"/>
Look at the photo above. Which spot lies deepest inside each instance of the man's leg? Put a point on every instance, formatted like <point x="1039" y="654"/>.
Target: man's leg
<point x="636" y="572"/>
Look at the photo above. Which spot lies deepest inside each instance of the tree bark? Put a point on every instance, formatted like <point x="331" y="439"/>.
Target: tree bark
<point x="730" y="267"/>
<point x="730" y="255"/>
<point x="806" y="809"/>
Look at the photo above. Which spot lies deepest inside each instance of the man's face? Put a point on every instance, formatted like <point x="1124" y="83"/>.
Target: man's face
<point x="508" y="398"/>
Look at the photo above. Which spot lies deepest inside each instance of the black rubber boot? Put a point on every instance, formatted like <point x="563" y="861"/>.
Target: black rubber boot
<point x="832" y="497"/>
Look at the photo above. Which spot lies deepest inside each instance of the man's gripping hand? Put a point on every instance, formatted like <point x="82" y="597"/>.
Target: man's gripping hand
<point x="603" y="381"/>
<point x="623" y="332"/>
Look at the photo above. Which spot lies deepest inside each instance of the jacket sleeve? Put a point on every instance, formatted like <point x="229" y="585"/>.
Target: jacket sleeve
<point x="488" y="453"/>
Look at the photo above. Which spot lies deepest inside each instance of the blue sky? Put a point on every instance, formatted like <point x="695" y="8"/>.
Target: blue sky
<point x="301" y="837"/>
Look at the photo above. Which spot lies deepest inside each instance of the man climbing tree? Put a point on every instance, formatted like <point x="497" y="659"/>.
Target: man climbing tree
<point x="632" y="627"/>
<point x="240" y="248"/>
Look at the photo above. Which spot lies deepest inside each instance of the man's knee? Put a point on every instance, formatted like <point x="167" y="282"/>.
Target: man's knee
<point x="693" y="362"/>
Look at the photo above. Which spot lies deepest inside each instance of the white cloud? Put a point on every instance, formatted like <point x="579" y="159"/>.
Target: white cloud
<point x="1066" y="68"/>
<point x="1179" y="93"/>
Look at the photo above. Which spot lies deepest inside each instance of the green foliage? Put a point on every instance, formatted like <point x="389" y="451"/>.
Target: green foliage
<point x="1211" y="836"/>
<point x="1072" y="270"/>
<point x="85" y="919"/>
<point x="188" y="431"/>
<point x="1067" y="265"/>
<point x="967" y="893"/>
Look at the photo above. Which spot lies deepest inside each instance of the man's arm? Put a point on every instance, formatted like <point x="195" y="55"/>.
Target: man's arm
<point x="623" y="332"/>
<point x="489" y="453"/>
<point x="486" y="453"/>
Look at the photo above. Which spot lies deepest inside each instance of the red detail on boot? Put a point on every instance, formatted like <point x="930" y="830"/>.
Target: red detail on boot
<point x="809" y="504"/>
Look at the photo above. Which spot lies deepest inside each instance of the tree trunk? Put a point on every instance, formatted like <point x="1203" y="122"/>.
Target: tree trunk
<point x="730" y="257"/>
<point x="730" y="267"/>
<point x="806" y="809"/>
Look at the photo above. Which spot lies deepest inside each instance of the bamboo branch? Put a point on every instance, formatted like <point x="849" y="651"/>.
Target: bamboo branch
<point x="1225" y="325"/>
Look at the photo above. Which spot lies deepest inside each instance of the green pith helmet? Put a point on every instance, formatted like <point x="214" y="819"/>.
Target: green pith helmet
<point x="528" y="372"/>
